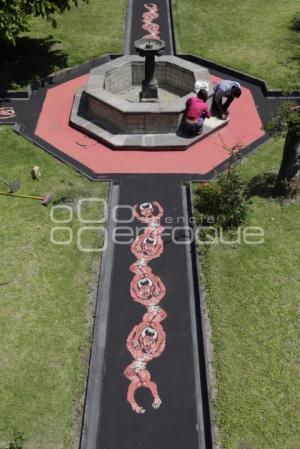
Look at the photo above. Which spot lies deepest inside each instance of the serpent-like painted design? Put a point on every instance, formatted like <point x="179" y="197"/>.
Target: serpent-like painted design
<point x="152" y="28"/>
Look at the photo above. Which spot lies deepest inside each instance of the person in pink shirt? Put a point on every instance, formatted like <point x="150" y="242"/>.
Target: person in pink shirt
<point x="196" y="112"/>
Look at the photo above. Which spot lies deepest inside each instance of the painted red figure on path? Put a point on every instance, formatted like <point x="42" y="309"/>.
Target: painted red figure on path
<point x="148" y="212"/>
<point x="149" y="244"/>
<point x="7" y="112"/>
<point x="147" y="340"/>
<point x="145" y="287"/>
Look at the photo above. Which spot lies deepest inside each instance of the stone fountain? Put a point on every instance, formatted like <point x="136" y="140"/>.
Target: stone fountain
<point x="134" y="103"/>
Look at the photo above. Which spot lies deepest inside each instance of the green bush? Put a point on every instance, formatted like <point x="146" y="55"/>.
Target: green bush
<point x="222" y="202"/>
<point x="295" y="22"/>
<point x="17" y="442"/>
<point x="285" y="118"/>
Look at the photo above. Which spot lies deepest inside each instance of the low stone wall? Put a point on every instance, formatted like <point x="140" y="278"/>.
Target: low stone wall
<point x="133" y="123"/>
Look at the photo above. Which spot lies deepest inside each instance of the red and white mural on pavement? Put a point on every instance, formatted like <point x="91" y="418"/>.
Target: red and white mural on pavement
<point x="149" y="16"/>
<point x="7" y="112"/>
<point x="147" y="340"/>
<point x="149" y="244"/>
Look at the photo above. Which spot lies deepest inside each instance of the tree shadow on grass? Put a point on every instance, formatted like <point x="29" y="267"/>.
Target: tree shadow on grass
<point x="31" y="59"/>
<point x="262" y="185"/>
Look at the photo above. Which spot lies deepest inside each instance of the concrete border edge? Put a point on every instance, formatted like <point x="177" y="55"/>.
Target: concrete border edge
<point x="202" y="385"/>
<point x="194" y="271"/>
<point x="171" y="28"/>
<point x="91" y="416"/>
<point x="128" y="22"/>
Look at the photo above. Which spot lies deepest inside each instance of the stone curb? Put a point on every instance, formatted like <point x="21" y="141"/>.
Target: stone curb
<point x="92" y="407"/>
<point x="206" y="380"/>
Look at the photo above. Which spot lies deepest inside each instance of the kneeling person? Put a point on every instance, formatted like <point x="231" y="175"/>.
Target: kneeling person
<point x="196" y="112"/>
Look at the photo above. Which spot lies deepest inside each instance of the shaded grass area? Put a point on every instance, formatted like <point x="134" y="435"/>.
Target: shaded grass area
<point x="82" y="33"/>
<point x="253" y="302"/>
<point x="47" y="299"/>
<point x="254" y="37"/>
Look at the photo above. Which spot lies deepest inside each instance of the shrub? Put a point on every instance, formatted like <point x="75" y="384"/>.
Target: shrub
<point x="223" y="199"/>
<point x="295" y="22"/>
<point x="285" y="118"/>
<point x="17" y="441"/>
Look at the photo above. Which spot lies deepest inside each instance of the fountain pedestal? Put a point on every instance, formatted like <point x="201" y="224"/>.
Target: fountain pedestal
<point x="149" y="48"/>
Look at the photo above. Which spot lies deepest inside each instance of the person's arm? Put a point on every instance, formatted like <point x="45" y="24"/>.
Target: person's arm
<point x="187" y="104"/>
<point x="207" y="113"/>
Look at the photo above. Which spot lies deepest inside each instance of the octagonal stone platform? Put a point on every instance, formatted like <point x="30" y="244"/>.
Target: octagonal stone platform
<point x="109" y="108"/>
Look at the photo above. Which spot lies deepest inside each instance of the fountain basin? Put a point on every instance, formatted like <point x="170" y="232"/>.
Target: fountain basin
<point x="109" y="108"/>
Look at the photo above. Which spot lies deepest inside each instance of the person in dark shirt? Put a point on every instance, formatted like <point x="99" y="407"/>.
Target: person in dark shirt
<point x="224" y="89"/>
<point x="196" y="112"/>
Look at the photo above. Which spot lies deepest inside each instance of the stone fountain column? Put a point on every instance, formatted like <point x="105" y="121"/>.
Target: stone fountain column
<point x="149" y="48"/>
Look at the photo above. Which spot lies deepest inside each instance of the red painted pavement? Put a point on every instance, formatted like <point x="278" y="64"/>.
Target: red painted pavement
<point x="53" y="127"/>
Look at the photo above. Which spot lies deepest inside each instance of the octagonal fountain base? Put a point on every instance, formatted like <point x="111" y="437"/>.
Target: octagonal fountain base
<point x="109" y="109"/>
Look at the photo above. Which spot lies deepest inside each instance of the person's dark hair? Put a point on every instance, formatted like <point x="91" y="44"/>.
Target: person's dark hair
<point x="236" y="91"/>
<point x="202" y="94"/>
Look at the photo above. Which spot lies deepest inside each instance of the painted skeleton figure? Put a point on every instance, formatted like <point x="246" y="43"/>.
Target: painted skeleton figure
<point x="149" y="244"/>
<point x="146" y="341"/>
<point x="145" y="287"/>
<point x="148" y="212"/>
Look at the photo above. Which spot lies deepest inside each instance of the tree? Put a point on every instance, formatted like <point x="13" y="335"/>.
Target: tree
<point x="286" y="122"/>
<point x="15" y="14"/>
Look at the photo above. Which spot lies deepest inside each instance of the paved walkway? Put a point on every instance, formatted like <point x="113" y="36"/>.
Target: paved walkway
<point x="157" y="402"/>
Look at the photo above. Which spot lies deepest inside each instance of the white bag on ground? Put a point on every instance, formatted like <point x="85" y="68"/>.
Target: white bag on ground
<point x="201" y="85"/>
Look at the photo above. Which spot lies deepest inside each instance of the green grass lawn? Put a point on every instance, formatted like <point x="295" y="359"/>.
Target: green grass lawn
<point x="253" y="302"/>
<point x="252" y="36"/>
<point x="47" y="298"/>
<point x="82" y="33"/>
